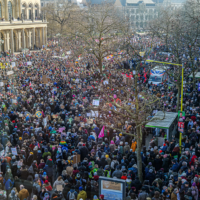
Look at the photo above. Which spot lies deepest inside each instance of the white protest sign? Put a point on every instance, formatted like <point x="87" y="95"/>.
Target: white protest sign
<point x="13" y="64"/>
<point x="29" y="63"/>
<point x="94" y="113"/>
<point x="95" y="102"/>
<point x="10" y="72"/>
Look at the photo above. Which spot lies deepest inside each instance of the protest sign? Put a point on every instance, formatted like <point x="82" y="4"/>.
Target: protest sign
<point x="61" y="129"/>
<point x="95" y="102"/>
<point x="14" y="151"/>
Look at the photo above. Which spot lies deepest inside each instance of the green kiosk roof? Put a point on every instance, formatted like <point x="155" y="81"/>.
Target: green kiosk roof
<point x="197" y="75"/>
<point x="160" y="122"/>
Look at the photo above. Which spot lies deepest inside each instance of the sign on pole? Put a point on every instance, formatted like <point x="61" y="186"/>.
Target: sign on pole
<point x="112" y="189"/>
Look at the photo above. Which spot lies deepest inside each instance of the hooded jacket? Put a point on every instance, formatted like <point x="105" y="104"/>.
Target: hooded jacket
<point x="71" y="191"/>
<point x="23" y="194"/>
<point x="82" y="194"/>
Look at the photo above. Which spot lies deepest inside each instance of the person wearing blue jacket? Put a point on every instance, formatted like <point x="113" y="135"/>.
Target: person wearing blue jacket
<point x="8" y="185"/>
<point x="175" y="166"/>
<point x="72" y="193"/>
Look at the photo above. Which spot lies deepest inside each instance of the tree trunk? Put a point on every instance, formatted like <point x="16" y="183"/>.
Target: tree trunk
<point x="100" y="65"/>
<point x="178" y="98"/>
<point x="193" y="76"/>
<point x="139" y="149"/>
<point x="61" y="28"/>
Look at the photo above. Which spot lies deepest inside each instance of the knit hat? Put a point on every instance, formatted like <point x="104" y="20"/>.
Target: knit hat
<point x="20" y="138"/>
<point x="112" y="142"/>
<point x="46" y="181"/>
<point x="107" y="156"/>
<point x="46" y="194"/>
<point x="193" y="184"/>
<point x="80" y="188"/>
<point x="95" y="197"/>
<point x="101" y="196"/>
<point x="31" y="153"/>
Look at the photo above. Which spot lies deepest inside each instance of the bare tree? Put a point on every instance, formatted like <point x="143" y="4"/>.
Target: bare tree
<point x="97" y="29"/>
<point x="60" y="14"/>
<point x="178" y="32"/>
<point x="124" y="100"/>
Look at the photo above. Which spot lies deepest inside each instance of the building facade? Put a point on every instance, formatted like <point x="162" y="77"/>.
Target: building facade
<point x="21" y="25"/>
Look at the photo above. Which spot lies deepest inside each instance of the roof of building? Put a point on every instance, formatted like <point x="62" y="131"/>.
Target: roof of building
<point x="138" y="1"/>
<point x="123" y="2"/>
<point x="178" y="1"/>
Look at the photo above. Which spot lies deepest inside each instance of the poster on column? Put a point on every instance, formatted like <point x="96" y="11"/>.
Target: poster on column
<point x="112" y="189"/>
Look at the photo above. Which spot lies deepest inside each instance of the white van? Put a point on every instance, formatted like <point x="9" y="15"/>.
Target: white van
<point x="157" y="76"/>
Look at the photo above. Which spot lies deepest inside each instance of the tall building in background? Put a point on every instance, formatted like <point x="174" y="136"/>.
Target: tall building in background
<point x="139" y="12"/>
<point x="21" y="25"/>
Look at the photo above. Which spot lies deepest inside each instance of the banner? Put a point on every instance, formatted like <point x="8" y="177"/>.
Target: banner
<point x="181" y="127"/>
<point x="101" y="134"/>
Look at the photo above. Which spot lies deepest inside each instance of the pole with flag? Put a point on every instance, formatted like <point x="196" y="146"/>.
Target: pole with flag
<point x="101" y="134"/>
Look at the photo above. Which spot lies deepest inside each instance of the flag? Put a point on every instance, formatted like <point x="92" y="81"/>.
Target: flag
<point x="101" y="134"/>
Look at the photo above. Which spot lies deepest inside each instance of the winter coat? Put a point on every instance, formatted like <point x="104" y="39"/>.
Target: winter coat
<point x="48" y="170"/>
<point x="23" y="194"/>
<point x="24" y="174"/>
<point x="158" y="164"/>
<point x="142" y="196"/>
<point x="175" y="167"/>
<point x="195" y="193"/>
<point x="8" y="184"/>
<point x="117" y="173"/>
<point x="84" y="152"/>
<point x="126" y="149"/>
<point x="71" y="191"/>
<point x="133" y="146"/>
<point x="82" y="194"/>
<point x="61" y="182"/>
<point x="112" y="148"/>
<point x="66" y="190"/>
<point x="30" y="160"/>
<point x="103" y="163"/>
<point x="173" y="196"/>
<point x="150" y="177"/>
<point x="69" y="170"/>
<point x="166" y="164"/>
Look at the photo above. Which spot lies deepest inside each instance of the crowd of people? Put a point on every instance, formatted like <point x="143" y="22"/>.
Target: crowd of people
<point x="50" y="145"/>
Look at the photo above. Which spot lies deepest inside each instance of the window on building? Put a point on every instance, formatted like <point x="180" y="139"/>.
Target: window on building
<point x="0" y="11"/>
<point x="146" y="17"/>
<point x="10" y="10"/>
<point x="42" y="4"/>
<point x="29" y="14"/>
<point x="141" y="17"/>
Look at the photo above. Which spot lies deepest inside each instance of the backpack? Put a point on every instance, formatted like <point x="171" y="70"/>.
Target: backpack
<point x="30" y="170"/>
<point x="35" y="191"/>
<point x="115" y="164"/>
<point x="72" y="195"/>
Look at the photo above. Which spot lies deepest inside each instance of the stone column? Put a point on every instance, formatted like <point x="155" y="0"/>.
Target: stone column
<point x="8" y="40"/>
<point x="43" y="40"/>
<point x="33" y="37"/>
<point x="17" y="10"/>
<point x="1" y="43"/>
<point x="6" y="11"/>
<point x="29" y="38"/>
<point x="23" y="39"/>
<point x="12" y="41"/>
<point x="19" y="39"/>
<point x="20" y="8"/>
<point x="46" y="36"/>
